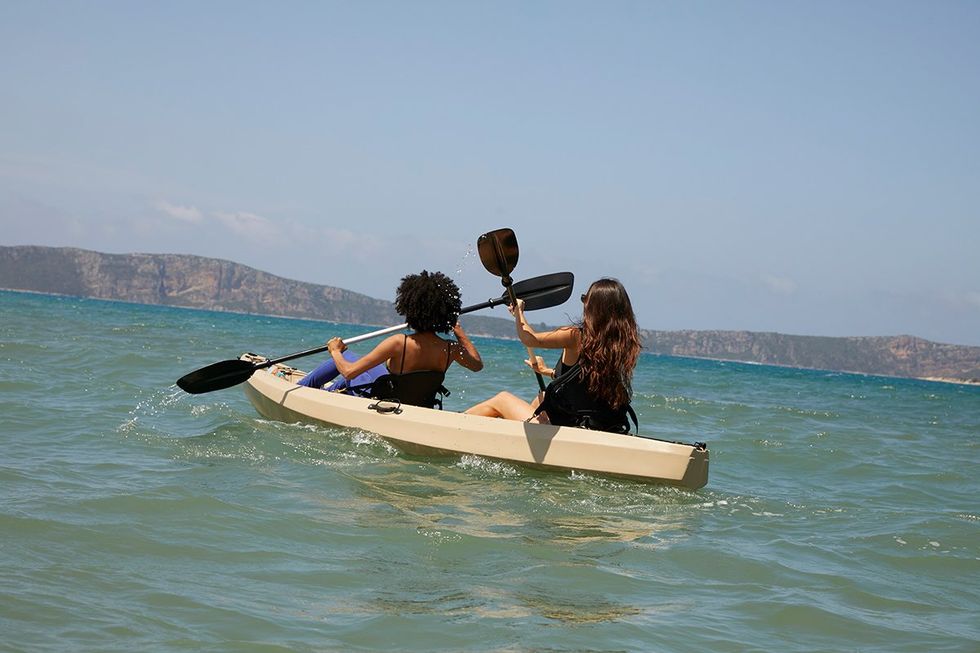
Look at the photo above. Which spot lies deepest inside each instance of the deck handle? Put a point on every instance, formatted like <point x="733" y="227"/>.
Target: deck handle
<point x="395" y="407"/>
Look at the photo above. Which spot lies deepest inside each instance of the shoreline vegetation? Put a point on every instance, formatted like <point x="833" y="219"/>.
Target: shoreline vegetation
<point x="196" y="282"/>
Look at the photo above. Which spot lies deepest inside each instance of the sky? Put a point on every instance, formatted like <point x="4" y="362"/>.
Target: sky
<point x="806" y="168"/>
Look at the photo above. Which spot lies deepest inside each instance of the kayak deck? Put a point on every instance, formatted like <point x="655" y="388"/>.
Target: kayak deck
<point x="425" y="431"/>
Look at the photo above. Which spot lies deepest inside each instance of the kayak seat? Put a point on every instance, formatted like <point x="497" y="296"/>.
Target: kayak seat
<point x="423" y="388"/>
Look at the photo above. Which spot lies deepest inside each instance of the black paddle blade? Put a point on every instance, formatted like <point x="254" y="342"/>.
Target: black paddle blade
<point x="545" y="291"/>
<point x="217" y="376"/>
<point x="498" y="251"/>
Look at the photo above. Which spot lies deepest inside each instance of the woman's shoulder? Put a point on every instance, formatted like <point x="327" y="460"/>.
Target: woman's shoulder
<point x="390" y="343"/>
<point x="568" y="329"/>
<point x="426" y="339"/>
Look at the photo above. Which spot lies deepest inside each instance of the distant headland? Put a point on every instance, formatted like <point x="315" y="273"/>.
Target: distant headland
<point x="214" y="284"/>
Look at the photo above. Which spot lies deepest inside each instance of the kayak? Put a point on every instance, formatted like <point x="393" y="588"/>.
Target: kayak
<point x="426" y="431"/>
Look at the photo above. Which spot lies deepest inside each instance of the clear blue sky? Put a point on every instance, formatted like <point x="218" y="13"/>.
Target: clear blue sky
<point x="773" y="166"/>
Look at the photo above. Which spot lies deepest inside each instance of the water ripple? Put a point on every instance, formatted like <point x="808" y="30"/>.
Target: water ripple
<point x="840" y="515"/>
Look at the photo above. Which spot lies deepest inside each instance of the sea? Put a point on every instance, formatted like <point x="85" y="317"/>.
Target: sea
<point x="842" y="512"/>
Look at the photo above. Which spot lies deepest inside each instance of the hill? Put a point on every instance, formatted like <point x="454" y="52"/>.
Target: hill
<point x="199" y="282"/>
<point x="904" y="356"/>
<point x="207" y="283"/>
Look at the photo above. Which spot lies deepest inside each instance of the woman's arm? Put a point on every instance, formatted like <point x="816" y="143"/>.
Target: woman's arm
<point x="562" y="338"/>
<point x="538" y="365"/>
<point x="378" y="355"/>
<point x="464" y="351"/>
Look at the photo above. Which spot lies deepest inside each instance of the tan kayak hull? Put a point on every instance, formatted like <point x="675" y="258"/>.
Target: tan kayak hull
<point x="425" y="431"/>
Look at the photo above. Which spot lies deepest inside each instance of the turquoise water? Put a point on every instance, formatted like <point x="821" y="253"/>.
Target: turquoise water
<point x="842" y="512"/>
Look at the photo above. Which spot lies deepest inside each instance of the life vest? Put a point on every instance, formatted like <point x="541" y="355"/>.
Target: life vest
<point x="568" y="402"/>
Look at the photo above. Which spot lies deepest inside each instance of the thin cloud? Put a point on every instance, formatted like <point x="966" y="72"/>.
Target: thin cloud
<point x="190" y="214"/>
<point x="250" y="226"/>
<point x="254" y="228"/>
<point x="779" y="285"/>
<point x="329" y="252"/>
<point x="341" y="241"/>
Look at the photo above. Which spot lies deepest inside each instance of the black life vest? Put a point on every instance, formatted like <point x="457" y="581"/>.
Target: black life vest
<point x="568" y="402"/>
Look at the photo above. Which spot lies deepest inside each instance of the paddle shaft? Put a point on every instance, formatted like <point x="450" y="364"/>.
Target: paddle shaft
<point x="490" y="303"/>
<point x="530" y="350"/>
<point x="540" y="292"/>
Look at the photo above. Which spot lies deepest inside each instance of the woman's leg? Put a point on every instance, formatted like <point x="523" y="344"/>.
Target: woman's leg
<point x="360" y="385"/>
<point x="324" y="373"/>
<point x="503" y="404"/>
<point x="327" y="372"/>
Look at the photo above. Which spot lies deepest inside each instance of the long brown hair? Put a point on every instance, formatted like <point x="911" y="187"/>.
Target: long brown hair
<point x="610" y="342"/>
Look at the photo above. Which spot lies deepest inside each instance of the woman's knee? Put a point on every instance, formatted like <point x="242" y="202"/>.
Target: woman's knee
<point x="511" y="406"/>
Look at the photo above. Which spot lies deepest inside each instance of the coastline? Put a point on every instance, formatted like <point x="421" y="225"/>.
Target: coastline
<point x="941" y="379"/>
<point x="932" y="379"/>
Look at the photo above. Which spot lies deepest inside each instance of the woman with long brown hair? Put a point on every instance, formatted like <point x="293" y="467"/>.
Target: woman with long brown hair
<point x="593" y="377"/>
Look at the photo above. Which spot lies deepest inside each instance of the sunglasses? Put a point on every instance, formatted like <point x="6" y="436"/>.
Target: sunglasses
<point x="583" y="298"/>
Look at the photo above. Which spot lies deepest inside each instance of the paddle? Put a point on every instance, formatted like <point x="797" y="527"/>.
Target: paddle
<point x="540" y="292"/>
<point x="498" y="252"/>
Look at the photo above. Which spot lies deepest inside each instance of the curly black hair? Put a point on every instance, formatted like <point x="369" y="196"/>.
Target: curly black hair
<point x="430" y="301"/>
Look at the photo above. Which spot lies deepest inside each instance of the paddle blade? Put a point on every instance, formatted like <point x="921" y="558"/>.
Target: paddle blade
<point x="544" y="291"/>
<point x="498" y="251"/>
<point x="216" y="376"/>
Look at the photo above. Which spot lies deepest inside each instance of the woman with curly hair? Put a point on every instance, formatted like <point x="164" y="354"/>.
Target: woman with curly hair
<point x="430" y="303"/>
<point x="593" y="377"/>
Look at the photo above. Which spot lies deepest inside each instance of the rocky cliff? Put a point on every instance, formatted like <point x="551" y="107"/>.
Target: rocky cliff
<point x="198" y="282"/>
<point x="905" y="356"/>
<point x="178" y="280"/>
